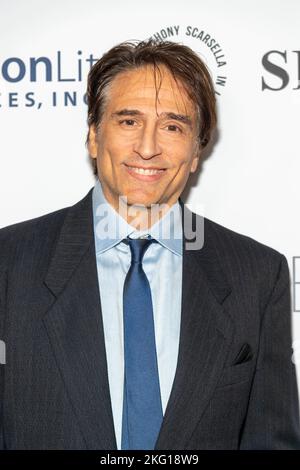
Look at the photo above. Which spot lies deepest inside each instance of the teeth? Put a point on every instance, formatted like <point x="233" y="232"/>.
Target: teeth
<point x="142" y="171"/>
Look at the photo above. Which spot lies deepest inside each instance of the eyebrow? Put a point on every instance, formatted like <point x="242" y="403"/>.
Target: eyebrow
<point x="135" y="112"/>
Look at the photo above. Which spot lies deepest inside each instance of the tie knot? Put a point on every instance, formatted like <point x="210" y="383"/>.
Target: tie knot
<point x="138" y="247"/>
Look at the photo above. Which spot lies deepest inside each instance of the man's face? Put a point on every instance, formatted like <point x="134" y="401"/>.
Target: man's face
<point x="145" y="147"/>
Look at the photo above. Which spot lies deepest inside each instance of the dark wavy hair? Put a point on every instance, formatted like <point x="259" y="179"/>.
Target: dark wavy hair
<point x="184" y="64"/>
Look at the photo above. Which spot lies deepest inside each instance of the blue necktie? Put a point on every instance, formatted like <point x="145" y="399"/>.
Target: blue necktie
<point x="142" y="408"/>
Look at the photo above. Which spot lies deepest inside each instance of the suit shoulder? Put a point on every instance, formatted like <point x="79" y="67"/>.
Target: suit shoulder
<point x="243" y="258"/>
<point x="237" y="243"/>
<point x="36" y="237"/>
<point x="40" y="224"/>
<point x="24" y="237"/>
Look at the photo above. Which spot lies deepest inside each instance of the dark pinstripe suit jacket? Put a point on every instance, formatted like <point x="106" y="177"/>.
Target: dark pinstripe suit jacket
<point x="234" y="387"/>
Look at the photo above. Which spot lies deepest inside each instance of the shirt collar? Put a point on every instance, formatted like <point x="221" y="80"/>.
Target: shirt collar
<point x="110" y="228"/>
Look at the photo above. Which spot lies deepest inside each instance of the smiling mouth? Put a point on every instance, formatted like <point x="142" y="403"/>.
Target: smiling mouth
<point x="146" y="171"/>
<point x="145" y="175"/>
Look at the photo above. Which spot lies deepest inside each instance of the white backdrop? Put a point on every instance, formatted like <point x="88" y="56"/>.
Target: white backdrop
<point x="249" y="183"/>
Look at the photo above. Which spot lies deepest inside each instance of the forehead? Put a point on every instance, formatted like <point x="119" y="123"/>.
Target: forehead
<point x="149" y="88"/>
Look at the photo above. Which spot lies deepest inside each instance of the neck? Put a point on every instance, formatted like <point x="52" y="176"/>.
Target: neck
<point x="139" y="216"/>
<point x="142" y="217"/>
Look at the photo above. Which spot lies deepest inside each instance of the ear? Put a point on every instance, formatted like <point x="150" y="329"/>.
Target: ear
<point x="195" y="162"/>
<point x="92" y="142"/>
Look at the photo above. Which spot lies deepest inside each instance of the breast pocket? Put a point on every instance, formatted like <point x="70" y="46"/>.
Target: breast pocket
<point x="236" y="373"/>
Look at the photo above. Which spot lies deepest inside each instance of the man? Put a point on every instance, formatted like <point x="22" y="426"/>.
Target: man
<point x="121" y="331"/>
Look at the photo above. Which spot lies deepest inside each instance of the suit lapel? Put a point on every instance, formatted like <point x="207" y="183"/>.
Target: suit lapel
<point x="75" y="329"/>
<point x="205" y="335"/>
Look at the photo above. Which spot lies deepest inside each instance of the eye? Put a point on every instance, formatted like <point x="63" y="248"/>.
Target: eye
<point x="127" y="122"/>
<point x="173" y="128"/>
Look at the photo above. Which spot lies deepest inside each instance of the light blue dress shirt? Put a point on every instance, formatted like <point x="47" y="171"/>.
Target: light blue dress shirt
<point x="162" y="264"/>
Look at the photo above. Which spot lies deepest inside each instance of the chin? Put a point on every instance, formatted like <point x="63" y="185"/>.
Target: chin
<point x="140" y="200"/>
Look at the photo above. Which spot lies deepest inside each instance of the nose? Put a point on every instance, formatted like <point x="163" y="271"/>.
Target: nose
<point x="147" y="145"/>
